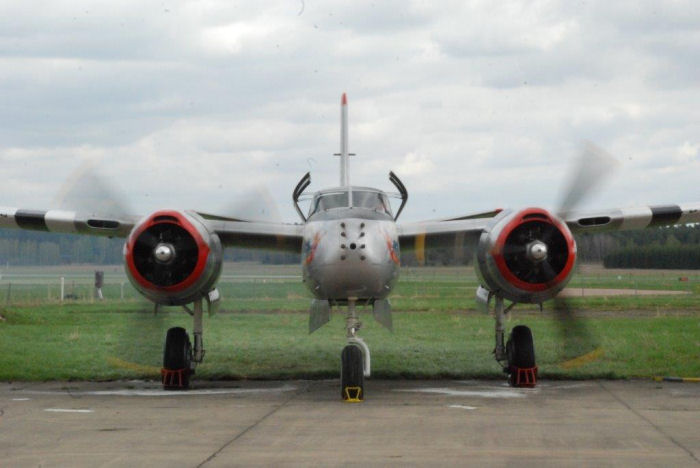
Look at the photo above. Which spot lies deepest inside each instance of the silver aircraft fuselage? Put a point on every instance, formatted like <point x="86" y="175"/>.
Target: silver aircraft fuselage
<point x="350" y="248"/>
<point x="350" y="252"/>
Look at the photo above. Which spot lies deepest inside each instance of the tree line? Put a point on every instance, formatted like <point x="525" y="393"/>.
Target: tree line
<point x="679" y="257"/>
<point x="663" y="247"/>
<point x="19" y="247"/>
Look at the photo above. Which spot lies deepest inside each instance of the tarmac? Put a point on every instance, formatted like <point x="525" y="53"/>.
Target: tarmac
<point x="303" y="423"/>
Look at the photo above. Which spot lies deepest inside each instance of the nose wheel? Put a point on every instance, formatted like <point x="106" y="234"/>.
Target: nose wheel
<point x="355" y="360"/>
<point x="352" y="379"/>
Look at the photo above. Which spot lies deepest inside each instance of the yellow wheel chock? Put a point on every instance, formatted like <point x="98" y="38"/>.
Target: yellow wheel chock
<point x="352" y="395"/>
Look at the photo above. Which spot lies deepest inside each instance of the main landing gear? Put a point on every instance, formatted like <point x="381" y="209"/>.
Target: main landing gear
<point x="517" y="355"/>
<point x="179" y="356"/>
<point x="355" y="359"/>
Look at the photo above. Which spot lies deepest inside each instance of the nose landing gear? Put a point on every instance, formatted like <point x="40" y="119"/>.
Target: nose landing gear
<point x="355" y="359"/>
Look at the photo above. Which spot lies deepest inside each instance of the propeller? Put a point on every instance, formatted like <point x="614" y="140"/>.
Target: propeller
<point x="256" y="204"/>
<point x="86" y="191"/>
<point x="592" y="167"/>
<point x="137" y="342"/>
<point x="167" y="254"/>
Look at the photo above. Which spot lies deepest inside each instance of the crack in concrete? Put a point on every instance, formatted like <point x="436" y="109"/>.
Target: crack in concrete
<point x="651" y="423"/>
<point x="248" y="429"/>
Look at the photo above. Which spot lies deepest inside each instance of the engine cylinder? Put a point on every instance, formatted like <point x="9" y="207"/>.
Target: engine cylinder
<point x="171" y="258"/>
<point x="526" y="256"/>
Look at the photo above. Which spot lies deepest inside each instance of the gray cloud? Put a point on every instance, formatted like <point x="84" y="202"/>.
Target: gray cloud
<point x="475" y="105"/>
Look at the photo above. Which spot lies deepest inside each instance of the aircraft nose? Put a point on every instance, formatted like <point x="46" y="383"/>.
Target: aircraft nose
<point x="355" y="257"/>
<point x="353" y="241"/>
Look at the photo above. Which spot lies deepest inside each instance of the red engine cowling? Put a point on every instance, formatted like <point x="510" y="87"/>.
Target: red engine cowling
<point x="171" y="258"/>
<point x="526" y="256"/>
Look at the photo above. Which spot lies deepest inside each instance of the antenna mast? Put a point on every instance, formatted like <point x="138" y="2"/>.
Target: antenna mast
<point x="344" y="177"/>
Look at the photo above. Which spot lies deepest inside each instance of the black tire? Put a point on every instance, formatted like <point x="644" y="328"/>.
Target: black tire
<point x="520" y="348"/>
<point x="177" y="354"/>
<point x="352" y="371"/>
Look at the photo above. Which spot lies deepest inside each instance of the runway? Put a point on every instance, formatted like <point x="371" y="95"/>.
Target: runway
<point x="301" y="423"/>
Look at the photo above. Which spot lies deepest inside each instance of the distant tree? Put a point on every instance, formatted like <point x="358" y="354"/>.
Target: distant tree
<point x="686" y="257"/>
<point x="18" y="247"/>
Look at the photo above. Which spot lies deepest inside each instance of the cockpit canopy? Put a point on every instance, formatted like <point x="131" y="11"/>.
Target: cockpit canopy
<point x="366" y="198"/>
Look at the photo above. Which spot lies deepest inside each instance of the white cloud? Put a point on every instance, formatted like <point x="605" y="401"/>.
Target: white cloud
<point x="474" y="104"/>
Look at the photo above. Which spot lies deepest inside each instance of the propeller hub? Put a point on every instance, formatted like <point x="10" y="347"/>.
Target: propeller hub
<point x="164" y="253"/>
<point x="537" y="251"/>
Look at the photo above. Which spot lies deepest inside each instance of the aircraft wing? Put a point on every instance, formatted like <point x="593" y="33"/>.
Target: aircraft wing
<point x="459" y="234"/>
<point x="463" y="233"/>
<point x="66" y="222"/>
<point x="232" y="232"/>
<point x="262" y="235"/>
<point x="632" y="218"/>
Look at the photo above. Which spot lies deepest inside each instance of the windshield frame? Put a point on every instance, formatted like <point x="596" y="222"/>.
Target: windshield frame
<point x="362" y="198"/>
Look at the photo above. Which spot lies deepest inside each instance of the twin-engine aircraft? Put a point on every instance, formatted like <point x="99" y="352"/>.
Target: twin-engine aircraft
<point x="350" y="244"/>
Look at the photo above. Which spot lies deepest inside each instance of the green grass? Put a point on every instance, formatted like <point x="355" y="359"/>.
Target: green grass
<point x="262" y="330"/>
<point x="82" y="341"/>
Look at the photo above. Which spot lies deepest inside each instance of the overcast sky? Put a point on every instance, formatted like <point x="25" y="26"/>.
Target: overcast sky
<point x="475" y="105"/>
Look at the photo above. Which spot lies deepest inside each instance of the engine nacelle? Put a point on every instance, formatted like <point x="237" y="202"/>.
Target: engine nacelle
<point x="526" y="256"/>
<point x="172" y="259"/>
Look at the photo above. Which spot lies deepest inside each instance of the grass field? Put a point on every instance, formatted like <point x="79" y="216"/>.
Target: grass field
<point x="262" y="329"/>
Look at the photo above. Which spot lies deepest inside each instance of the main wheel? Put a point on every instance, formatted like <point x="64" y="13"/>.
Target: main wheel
<point x="177" y="356"/>
<point x="352" y="374"/>
<point x="520" y="351"/>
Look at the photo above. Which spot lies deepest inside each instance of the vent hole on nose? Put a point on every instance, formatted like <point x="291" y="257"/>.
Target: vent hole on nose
<point x="353" y="246"/>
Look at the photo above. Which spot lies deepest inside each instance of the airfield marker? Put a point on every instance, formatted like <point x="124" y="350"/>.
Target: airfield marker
<point x="65" y="410"/>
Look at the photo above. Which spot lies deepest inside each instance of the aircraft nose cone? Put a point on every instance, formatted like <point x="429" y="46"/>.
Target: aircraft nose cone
<point x="164" y="252"/>
<point x="537" y="251"/>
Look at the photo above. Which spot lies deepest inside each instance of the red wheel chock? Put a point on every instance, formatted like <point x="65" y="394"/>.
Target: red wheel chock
<point x="174" y="378"/>
<point x="523" y="377"/>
